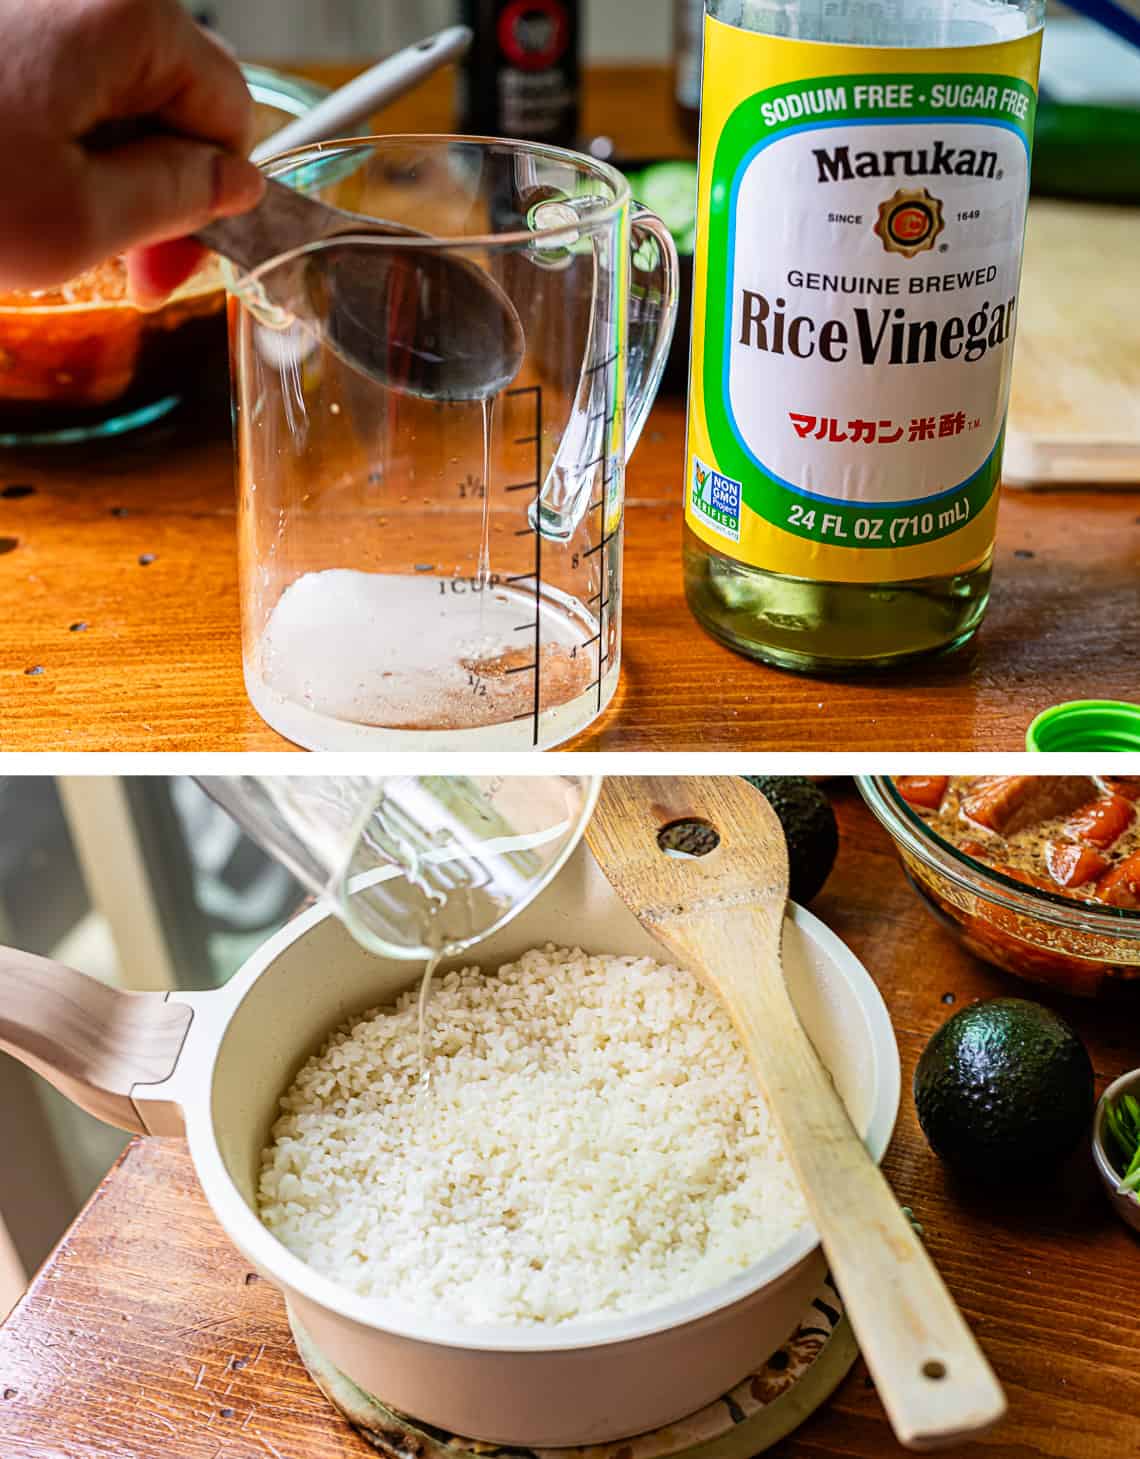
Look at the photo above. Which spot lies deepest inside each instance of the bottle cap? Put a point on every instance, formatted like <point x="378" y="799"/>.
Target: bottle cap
<point x="1086" y="724"/>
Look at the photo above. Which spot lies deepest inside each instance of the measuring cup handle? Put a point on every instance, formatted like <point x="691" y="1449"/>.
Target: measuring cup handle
<point x="97" y="1045"/>
<point x="652" y="316"/>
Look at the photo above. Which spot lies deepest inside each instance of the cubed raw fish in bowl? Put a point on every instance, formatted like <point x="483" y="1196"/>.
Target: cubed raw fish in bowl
<point x="1039" y="875"/>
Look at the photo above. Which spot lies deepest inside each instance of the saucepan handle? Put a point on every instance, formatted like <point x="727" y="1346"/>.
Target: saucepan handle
<point x="99" y="1046"/>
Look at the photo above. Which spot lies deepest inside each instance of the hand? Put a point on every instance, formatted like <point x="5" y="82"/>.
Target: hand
<point x="68" y="67"/>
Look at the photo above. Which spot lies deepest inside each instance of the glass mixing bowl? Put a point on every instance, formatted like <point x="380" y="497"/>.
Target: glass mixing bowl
<point x="1045" y="937"/>
<point x="82" y="361"/>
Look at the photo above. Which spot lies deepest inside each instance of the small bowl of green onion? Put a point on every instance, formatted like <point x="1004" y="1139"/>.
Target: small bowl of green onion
<point x="1116" y="1145"/>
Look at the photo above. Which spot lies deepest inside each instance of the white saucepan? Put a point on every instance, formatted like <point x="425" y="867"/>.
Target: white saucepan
<point x="213" y="1065"/>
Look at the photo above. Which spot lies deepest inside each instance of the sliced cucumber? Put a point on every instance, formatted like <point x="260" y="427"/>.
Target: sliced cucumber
<point x="670" y="189"/>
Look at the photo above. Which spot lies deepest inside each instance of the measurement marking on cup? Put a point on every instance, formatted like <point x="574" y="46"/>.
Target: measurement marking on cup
<point x="601" y="365"/>
<point x="608" y="416"/>
<point x="598" y="546"/>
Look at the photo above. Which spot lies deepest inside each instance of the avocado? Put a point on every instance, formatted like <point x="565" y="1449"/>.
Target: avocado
<point x="809" y="827"/>
<point x="1004" y="1089"/>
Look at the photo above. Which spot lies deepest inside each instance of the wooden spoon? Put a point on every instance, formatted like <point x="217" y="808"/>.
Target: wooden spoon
<point x="721" y="915"/>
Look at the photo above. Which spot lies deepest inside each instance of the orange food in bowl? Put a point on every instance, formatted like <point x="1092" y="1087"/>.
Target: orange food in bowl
<point x="1039" y="875"/>
<point x="82" y="360"/>
<point x="80" y="344"/>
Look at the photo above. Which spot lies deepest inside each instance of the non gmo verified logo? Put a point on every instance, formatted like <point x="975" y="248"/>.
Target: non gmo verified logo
<point x="715" y="500"/>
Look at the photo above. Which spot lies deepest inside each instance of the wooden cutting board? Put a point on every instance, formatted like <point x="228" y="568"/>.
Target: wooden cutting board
<point x="1075" y="409"/>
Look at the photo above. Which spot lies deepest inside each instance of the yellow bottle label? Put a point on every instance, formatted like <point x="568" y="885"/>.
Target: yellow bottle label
<point x="861" y="220"/>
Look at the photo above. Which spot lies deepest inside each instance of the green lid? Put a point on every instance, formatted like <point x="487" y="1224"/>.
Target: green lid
<point x="1086" y="724"/>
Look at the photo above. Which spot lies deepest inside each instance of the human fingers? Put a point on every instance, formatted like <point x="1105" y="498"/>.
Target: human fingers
<point x="161" y="188"/>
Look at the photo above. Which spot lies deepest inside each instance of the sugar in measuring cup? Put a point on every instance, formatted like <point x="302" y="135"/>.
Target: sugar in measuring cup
<point x="435" y="562"/>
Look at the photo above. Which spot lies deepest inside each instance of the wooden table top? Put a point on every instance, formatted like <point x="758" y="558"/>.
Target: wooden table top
<point x="136" y="541"/>
<point x="145" y="1335"/>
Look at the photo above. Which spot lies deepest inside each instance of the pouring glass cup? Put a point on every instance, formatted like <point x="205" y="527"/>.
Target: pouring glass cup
<point x="415" y="865"/>
<point x="432" y="559"/>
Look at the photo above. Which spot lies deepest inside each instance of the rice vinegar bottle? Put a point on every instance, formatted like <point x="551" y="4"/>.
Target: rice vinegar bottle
<point x="864" y="176"/>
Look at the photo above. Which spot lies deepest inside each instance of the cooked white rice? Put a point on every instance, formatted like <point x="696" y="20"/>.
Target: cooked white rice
<point x="590" y="1142"/>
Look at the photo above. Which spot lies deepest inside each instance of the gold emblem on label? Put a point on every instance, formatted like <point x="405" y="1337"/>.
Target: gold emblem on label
<point x="910" y="222"/>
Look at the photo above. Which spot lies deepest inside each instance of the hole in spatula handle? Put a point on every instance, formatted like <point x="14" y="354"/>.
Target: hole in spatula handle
<point x="688" y="839"/>
<point x="934" y="1370"/>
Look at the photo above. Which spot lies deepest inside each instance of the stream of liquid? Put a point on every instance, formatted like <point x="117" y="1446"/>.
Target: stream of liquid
<point x="430" y="966"/>
<point x="466" y="852"/>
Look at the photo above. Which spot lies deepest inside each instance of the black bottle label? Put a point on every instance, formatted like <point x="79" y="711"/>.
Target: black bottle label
<point x="521" y="75"/>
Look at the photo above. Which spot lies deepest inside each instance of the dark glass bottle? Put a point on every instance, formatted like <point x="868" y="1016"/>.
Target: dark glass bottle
<point x="688" y="49"/>
<point x="521" y="76"/>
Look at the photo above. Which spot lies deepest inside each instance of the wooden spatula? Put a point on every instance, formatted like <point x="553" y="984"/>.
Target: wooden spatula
<point x="720" y="914"/>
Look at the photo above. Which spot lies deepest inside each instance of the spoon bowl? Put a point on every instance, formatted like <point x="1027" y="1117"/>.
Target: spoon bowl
<point x="415" y="319"/>
<point x="419" y="320"/>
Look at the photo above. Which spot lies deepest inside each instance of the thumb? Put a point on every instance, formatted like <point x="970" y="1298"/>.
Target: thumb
<point x="155" y="270"/>
<point x="161" y="188"/>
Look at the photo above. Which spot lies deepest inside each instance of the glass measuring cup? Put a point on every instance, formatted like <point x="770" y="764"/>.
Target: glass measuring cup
<point x="437" y="565"/>
<point x="414" y="865"/>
